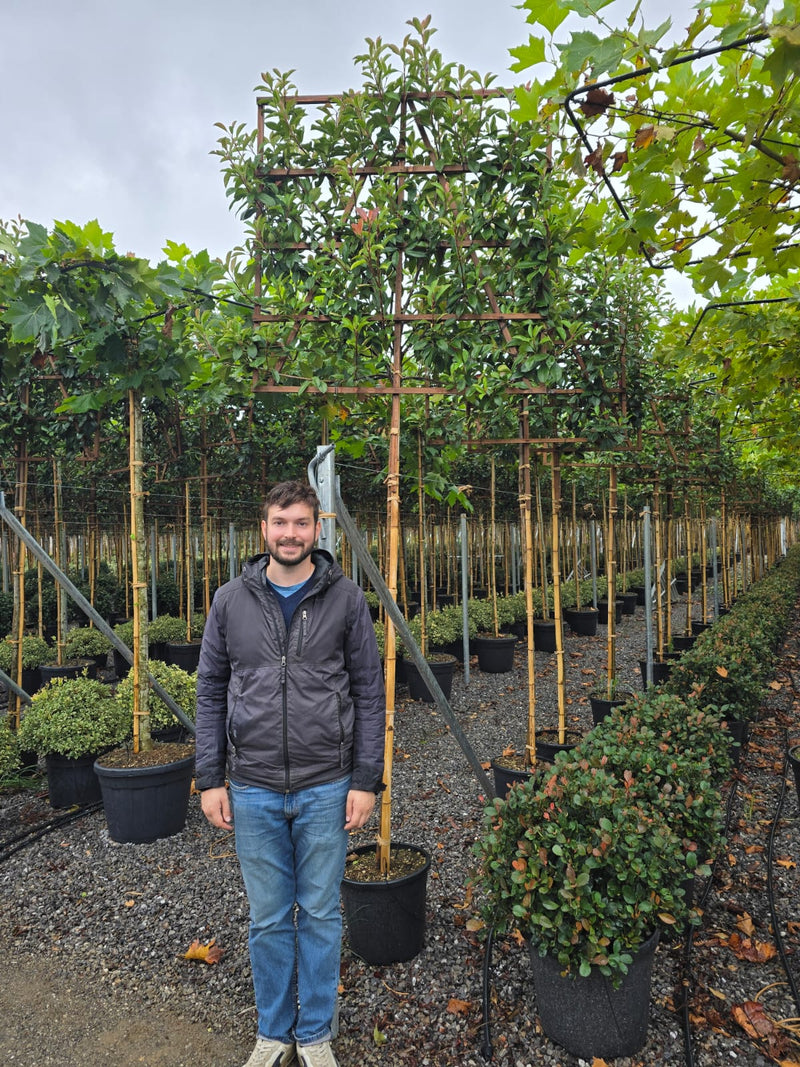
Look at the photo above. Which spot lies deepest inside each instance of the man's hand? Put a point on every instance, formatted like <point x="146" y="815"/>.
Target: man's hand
<point x="359" y="808"/>
<point x="217" y="807"/>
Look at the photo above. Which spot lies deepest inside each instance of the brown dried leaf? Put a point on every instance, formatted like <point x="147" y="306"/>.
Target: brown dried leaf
<point x="788" y="864"/>
<point x="458" y="1007"/>
<point x="209" y="953"/>
<point x="754" y="1020"/>
<point x="722" y="672"/>
<point x="596" y="101"/>
<point x="746" y="925"/>
<point x="746" y="948"/>
<point x="645" y="136"/>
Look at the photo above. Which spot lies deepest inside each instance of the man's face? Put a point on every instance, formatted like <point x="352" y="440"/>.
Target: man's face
<point x="290" y="533"/>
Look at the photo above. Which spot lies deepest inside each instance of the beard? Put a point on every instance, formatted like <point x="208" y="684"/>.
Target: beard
<point x="287" y="554"/>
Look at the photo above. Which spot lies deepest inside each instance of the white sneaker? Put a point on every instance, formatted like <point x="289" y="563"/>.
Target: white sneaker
<point x="271" y="1054"/>
<point x="319" y="1055"/>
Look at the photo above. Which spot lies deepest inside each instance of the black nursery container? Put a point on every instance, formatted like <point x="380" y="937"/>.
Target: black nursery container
<point x="386" y="919"/>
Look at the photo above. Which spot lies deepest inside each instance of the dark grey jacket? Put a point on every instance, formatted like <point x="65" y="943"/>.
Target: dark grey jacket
<point x="290" y="709"/>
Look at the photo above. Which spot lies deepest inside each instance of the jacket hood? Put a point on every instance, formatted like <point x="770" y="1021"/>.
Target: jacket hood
<point x="326" y="569"/>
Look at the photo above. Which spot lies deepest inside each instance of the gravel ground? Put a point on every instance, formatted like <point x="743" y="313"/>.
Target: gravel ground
<point x="94" y="933"/>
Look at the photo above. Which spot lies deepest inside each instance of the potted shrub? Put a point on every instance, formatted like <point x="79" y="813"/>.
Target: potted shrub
<point x="87" y="643"/>
<point x="181" y="686"/>
<point x="495" y="649"/>
<point x="146" y="793"/>
<point x="69" y="722"/>
<point x="124" y="631"/>
<point x="184" y="652"/>
<point x="36" y="652"/>
<point x="442" y="664"/>
<point x="161" y="631"/>
<point x="589" y="875"/>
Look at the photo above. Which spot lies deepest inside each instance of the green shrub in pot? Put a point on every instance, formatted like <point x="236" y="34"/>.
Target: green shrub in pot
<point x="166" y="628"/>
<point x="586" y="872"/>
<point x="73" y="717"/>
<point x="35" y="652"/>
<point x="85" y="642"/>
<point x="180" y="685"/>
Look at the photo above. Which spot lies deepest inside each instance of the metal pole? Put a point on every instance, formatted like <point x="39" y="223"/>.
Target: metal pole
<point x="648" y="598"/>
<point x="322" y="475"/>
<point x="153" y="575"/>
<point x="714" y="568"/>
<point x="39" y="553"/>
<point x="231" y="551"/>
<point x="395" y="614"/>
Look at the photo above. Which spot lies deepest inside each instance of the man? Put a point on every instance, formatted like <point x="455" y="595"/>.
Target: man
<point x="291" y="709"/>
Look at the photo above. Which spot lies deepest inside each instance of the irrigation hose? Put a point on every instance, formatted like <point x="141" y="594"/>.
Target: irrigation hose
<point x="19" y="841"/>
<point x="776" y="933"/>
<point x="486" y="1049"/>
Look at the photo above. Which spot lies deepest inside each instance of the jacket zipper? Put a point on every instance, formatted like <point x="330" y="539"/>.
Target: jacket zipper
<point x="287" y="781"/>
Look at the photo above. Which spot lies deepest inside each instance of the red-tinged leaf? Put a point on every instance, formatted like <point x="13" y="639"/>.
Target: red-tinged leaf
<point x="619" y="161"/>
<point x="753" y="1019"/>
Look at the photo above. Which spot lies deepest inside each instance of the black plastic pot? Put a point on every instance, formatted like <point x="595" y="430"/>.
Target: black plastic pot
<point x="683" y="642"/>
<point x="629" y="602"/>
<point x="582" y="621"/>
<point x="739" y="729"/>
<point x="641" y="594"/>
<point x="661" y="670"/>
<point x="588" y="1016"/>
<point x="145" y="803"/>
<point x="442" y="669"/>
<point x="386" y="920"/>
<point x="184" y="655"/>
<point x="544" y="635"/>
<point x="495" y="654"/>
<point x="602" y="706"/>
<point x="602" y="611"/>
<point x="71" y="781"/>
<point x="548" y="746"/>
<point x="699" y="627"/>
<point x="506" y="777"/>
<point x="47" y="671"/>
<point x="681" y="584"/>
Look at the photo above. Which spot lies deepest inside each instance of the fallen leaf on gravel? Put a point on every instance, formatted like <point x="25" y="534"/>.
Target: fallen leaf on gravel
<point x="379" y="1037"/>
<point x="788" y="864"/>
<point x="754" y="1021"/>
<point x="746" y="925"/>
<point x="597" y="1062"/>
<point x="716" y="993"/>
<point x="776" y="686"/>
<point x="458" y="1007"/>
<point x="209" y="953"/>
<point x="745" y="948"/>
<point x="473" y="925"/>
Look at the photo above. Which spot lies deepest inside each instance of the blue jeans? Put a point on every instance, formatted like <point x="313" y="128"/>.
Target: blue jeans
<point x="292" y="849"/>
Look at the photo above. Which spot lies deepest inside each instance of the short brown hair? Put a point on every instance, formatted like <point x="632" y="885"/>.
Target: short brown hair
<point x="284" y="494"/>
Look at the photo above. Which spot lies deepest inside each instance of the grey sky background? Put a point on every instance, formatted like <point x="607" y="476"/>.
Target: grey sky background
<point x="107" y="110"/>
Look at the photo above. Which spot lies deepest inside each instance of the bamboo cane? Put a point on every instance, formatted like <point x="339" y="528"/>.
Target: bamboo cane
<point x="611" y="578"/>
<point x="555" y="489"/>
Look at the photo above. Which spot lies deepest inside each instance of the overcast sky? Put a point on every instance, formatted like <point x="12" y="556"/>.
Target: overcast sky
<point x="107" y="109"/>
